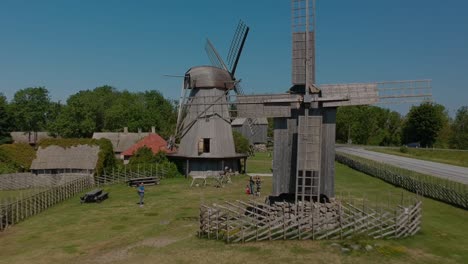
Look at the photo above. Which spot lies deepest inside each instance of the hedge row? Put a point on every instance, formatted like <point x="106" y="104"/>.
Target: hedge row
<point x="16" y="157"/>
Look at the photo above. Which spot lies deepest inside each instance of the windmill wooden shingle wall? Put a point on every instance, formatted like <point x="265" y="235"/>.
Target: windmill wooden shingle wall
<point x="207" y="143"/>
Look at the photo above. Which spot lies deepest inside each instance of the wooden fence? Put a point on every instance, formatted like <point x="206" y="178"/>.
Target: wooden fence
<point x="25" y="181"/>
<point x="439" y="189"/>
<point x="124" y="174"/>
<point x="241" y="221"/>
<point x="15" y="211"/>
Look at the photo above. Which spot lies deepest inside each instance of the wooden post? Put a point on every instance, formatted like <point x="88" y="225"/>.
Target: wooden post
<point x="209" y="222"/>
<point x="284" y="223"/>
<point x="269" y="223"/>
<point x="17" y="210"/>
<point x="2" y="215"/>
<point x="313" y="219"/>
<point x="6" y="213"/>
<point x="217" y="225"/>
<point x="242" y="232"/>
<point x="22" y="207"/>
<point x="227" y="227"/>
<point x="340" y="219"/>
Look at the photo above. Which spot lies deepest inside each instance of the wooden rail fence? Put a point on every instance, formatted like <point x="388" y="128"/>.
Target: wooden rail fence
<point x="439" y="189"/>
<point x="241" y="221"/>
<point x="17" y="210"/>
<point x="123" y="175"/>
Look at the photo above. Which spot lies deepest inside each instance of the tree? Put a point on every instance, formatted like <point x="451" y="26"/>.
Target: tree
<point x="143" y="155"/>
<point x="423" y="124"/>
<point x="271" y="127"/>
<point x="241" y="143"/>
<point x="459" y="137"/>
<point x="30" y="109"/>
<point x="107" y="109"/>
<point x="368" y="125"/>
<point x="159" y="112"/>
<point x="4" y="120"/>
<point x="393" y="127"/>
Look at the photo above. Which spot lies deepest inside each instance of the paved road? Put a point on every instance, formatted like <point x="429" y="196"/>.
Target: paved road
<point x="445" y="171"/>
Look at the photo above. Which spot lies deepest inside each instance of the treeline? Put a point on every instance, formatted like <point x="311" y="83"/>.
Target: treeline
<point x="104" y="109"/>
<point x="427" y="124"/>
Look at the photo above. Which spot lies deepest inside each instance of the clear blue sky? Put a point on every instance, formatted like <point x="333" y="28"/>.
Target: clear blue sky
<point x="68" y="46"/>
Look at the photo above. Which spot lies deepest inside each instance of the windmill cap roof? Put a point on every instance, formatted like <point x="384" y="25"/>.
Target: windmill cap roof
<point x="209" y="77"/>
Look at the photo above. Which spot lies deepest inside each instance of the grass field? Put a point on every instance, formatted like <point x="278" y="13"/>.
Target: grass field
<point x="458" y="158"/>
<point x="164" y="231"/>
<point x="260" y="163"/>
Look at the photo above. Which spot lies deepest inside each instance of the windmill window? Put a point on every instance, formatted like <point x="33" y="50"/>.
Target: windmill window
<point x="206" y="145"/>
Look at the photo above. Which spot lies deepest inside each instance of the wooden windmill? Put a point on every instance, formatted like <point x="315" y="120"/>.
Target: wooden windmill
<point x="305" y="116"/>
<point x="204" y="121"/>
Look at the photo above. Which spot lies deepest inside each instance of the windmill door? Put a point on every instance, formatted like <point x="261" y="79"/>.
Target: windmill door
<point x="308" y="158"/>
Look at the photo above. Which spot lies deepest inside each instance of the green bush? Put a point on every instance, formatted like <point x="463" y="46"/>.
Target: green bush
<point x="170" y="168"/>
<point x="404" y="149"/>
<point x="145" y="159"/>
<point x="241" y="143"/>
<point x="16" y="157"/>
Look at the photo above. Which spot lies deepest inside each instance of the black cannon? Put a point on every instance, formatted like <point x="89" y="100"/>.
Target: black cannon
<point x="94" y="196"/>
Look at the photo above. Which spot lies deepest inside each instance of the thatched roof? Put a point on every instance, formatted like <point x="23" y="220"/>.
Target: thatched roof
<point x="28" y="137"/>
<point x="121" y="141"/>
<point x="83" y="157"/>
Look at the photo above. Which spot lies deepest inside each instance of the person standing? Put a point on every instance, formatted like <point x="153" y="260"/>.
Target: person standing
<point x="252" y="185"/>
<point x="141" y="193"/>
<point x="258" y="183"/>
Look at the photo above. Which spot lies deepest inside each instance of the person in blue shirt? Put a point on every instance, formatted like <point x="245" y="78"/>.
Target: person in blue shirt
<point x="141" y="193"/>
<point x="252" y="185"/>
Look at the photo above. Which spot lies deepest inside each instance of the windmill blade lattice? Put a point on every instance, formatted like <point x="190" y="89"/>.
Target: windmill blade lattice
<point x="214" y="56"/>
<point x="237" y="44"/>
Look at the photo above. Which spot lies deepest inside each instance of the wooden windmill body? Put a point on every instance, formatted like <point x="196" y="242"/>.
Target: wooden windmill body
<point x="204" y="121"/>
<point x="305" y="116"/>
<point x="207" y="143"/>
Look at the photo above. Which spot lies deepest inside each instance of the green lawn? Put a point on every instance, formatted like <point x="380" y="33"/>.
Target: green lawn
<point x="260" y="163"/>
<point x="164" y="231"/>
<point x="458" y="158"/>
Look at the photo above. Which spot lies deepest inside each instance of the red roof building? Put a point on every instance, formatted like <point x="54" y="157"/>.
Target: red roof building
<point x="153" y="141"/>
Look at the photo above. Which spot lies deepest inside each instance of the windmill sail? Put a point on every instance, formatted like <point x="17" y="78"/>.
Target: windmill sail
<point x="237" y="45"/>
<point x="376" y="93"/>
<point x="214" y="56"/>
<point x="303" y="29"/>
